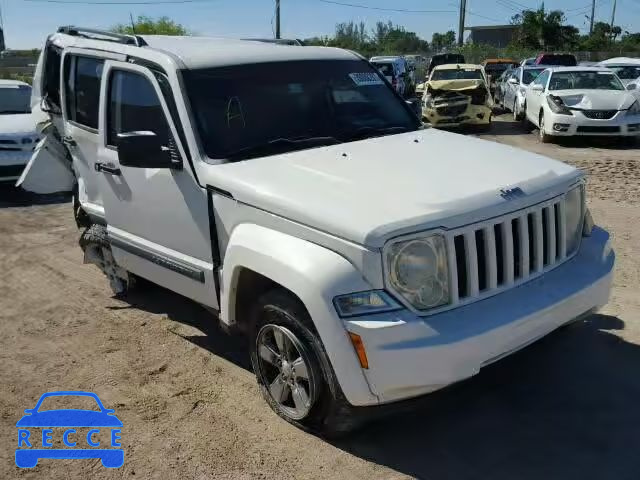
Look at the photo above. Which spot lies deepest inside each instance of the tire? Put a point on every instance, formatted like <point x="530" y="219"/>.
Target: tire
<point x="542" y="135"/>
<point x="327" y="412"/>
<point x="517" y="115"/>
<point x="94" y="242"/>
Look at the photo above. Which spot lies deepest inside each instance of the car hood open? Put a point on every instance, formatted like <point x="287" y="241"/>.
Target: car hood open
<point x="596" y="99"/>
<point x="369" y="190"/>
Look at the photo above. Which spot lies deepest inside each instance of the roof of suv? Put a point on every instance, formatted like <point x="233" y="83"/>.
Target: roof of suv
<point x="204" y="52"/>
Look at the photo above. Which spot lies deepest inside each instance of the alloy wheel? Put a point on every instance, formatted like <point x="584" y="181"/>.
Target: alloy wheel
<point x="284" y="369"/>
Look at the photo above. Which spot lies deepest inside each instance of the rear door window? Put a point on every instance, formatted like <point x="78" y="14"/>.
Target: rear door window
<point x="83" y="76"/>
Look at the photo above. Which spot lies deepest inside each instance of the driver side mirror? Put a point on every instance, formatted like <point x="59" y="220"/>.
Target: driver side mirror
<point x="513" y="81"/>
<point x="537" y="87"/>
<point x="145" y="150"/>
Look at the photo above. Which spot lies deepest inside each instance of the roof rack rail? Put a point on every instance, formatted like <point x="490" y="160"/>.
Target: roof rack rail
<point x="104" y="35"/>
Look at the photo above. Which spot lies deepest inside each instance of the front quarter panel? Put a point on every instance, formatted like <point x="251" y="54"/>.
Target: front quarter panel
<point x="315" y="275"/>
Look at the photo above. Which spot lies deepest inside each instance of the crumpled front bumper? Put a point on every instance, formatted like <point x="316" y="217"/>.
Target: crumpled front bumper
<point x="411" y="355"/>
<point x="472" y="115"/>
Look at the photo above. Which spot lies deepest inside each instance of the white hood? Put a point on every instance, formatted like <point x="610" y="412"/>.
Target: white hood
<point x="17" y="124"/>
<point x="596" y="99"/>
<point x="369" y="190"/>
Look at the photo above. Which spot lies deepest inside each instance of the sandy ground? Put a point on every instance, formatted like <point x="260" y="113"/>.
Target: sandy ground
<point x="564" y="408"/>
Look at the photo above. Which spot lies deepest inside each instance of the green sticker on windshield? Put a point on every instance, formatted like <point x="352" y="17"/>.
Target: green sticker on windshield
<point x="365" y="79"/>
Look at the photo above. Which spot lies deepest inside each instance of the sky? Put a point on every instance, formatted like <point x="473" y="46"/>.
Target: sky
<point x="27" y="23"/>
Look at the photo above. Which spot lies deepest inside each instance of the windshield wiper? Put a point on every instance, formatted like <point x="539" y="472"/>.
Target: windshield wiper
<point x="366" y="132"/>
<point x="283" y="144"/>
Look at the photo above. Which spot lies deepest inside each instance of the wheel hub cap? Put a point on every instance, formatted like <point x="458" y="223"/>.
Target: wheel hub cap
<point x="283" y="368"/>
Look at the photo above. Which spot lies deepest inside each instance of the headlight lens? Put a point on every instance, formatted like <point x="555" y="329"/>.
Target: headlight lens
<point x="418" y="270"/>
<point x="557" y="105"/>
<point x="428" y="101"/>
<point x="574" y="213"/>
<point x="635" y="108"/>
<point x="365" y="303"/>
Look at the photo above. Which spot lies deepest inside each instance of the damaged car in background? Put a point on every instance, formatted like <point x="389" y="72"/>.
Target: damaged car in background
<point x="567" y="101"/>
<point x="457" y="95"/>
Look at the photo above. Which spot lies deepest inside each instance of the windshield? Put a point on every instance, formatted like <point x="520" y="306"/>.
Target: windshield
<point x="587" y="80"/>
<point x="457" y="74"/>
<point x="244" y="111"/>
<point x="386" y="69"/>
<point x="627" y="72"/>
<point x="15" y="99"/>
<point x="530" y="75"/>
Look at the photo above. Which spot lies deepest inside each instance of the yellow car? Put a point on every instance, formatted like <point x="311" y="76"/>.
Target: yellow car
<point x="457" y="95"/>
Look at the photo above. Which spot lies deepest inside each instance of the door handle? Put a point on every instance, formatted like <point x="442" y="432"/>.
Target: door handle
<point x="69" y="141"/>
<point x="103" y="167"/>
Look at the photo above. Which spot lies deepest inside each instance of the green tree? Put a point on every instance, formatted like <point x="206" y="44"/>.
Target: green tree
<point x="144" y="25"/>
<point x="541" y="29"/>
<point x="443" y="41"/>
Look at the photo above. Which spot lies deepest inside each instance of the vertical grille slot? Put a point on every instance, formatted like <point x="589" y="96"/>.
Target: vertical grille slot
<point x="497" y="231"/>
<point x="461" y="264"/>
<point x="515" y="233"/>
<point x="483" y="271"/>
<point x="545" y="237"/>
<point x="559" y="227"/>
<point x="532" y="243"/>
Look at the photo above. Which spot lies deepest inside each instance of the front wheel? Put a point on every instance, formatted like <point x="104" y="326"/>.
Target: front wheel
<point x="542" y="134"/>
<point x="292" y="368"/>
<point x="517" y="115"/>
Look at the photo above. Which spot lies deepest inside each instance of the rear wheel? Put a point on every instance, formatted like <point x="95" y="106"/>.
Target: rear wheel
<point x="292" y="368"/>
<point x="97" y="250"/>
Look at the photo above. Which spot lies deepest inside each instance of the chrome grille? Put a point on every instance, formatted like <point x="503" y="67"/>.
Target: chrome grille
<point x="490" y="256"/>
<point x="599" y="114"/>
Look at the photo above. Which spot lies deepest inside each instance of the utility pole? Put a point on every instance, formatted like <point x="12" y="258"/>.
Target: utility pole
<point x="463" y="11"/>
<point x="613" y="17"/>
<point x="593" y="13"/>
<point x="277" y="18"/>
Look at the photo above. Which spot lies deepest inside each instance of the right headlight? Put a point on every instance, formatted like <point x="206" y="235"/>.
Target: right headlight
<point x="417" y="270"/>
<point x="574" y="214"/>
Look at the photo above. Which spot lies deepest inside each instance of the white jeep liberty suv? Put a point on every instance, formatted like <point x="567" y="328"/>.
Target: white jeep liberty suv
<point x="293" y="191"/>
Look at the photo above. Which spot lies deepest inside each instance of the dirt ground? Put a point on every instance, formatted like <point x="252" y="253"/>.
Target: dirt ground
<point x="564" y="408"/>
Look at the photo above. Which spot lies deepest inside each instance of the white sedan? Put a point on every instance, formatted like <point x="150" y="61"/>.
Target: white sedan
<point x="566" y="101"/>
<point x="18" y="135"/>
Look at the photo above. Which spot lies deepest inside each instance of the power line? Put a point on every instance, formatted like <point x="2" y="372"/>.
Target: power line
<point x="368" y="7"/>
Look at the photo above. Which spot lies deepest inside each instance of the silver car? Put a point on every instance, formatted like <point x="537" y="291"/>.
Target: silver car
<point x="515" y="86"/>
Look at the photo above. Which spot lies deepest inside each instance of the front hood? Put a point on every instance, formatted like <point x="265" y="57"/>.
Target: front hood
<point x="17" y="124"/>
<point x="370" y="190"/>
<point x="455" y="85"/>
<point x="596" y="99"/>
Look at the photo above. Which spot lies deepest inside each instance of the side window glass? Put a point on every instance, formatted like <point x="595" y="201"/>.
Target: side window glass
<point x="83" y="90"/>
<point x="134" y="106"/>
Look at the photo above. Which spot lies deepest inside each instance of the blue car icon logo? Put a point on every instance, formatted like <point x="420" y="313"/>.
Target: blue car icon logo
<point x="33" y="445"/>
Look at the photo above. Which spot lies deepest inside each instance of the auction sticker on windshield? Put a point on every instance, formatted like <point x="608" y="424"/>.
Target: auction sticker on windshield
<point x="365" y="79"/>
<point x="69" y="433"/>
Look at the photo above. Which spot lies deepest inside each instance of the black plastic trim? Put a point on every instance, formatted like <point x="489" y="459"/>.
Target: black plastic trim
<point x="215" y="246"/>
<point x="174" y="265"/>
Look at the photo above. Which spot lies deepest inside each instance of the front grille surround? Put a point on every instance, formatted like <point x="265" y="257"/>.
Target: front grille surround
<point x="512" y="261"/>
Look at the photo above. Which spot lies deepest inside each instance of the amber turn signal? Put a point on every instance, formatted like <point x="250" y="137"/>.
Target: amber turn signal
<point x="359" y="348"/>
